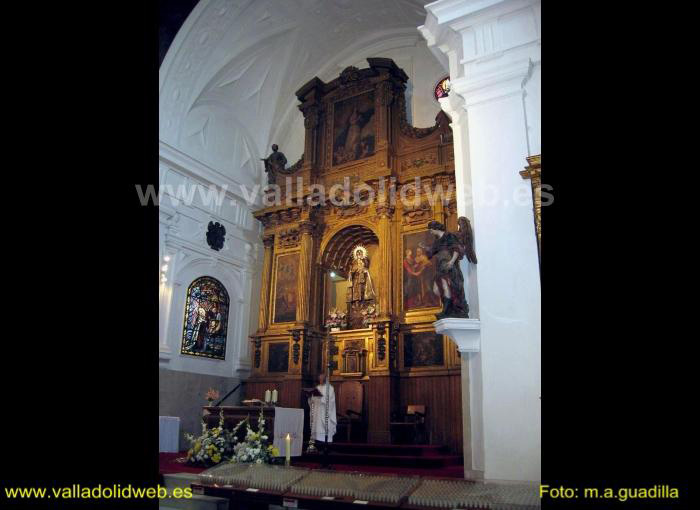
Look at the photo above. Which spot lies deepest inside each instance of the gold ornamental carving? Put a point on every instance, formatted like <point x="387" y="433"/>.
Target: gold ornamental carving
<point x="534" y="172"/>
<point x="357" y="136"/>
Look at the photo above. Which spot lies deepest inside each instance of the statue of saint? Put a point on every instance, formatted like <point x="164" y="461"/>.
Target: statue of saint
<point x="361" y="288"/>
<point x="275" y="163"/>
<point x="448" y="249"/>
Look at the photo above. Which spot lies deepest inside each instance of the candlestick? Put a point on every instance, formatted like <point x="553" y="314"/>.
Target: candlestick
<point x="267" y="396"/>
<point x="274" y="396"/>
<point x="287" y="450"/>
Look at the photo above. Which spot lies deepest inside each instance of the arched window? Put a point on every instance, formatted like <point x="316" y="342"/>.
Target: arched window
<point x="206" y="319"/>
<point x="442" y="88"/>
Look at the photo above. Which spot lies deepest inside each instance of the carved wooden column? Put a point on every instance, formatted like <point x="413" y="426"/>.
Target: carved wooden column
<point x="263" y="319"/>
<point x="311" y="109"/>
<point x="305" y="255"/>
<point x="534" y="172"/>
<point x="385" y="211"/>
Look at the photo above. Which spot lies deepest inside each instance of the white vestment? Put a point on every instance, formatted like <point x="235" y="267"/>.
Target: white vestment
<point x="318" y="419"/>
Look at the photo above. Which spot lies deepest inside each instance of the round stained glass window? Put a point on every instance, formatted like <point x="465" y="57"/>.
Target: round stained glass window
<point x="442" y="88"/>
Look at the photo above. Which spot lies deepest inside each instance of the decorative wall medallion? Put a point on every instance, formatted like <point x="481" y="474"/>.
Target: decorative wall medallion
<point x="216" y="233"/>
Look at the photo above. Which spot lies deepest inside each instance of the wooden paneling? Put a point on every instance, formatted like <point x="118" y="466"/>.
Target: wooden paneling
<point x="288" y="391"/>
<point x="379" y="398"/>
<point x="442" y="395"/>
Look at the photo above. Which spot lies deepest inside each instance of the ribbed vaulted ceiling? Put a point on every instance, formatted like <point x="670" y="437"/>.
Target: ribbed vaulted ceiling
<point x="228" y="80"/>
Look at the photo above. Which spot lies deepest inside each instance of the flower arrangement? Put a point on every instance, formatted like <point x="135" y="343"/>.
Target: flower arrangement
<point x="336" y="318"/>
<point x="212" y="395"/>
<point x="213" y="445"/>
<point x="368" y="314"/>
<point x="256" y="447"/>
<point x="217" y="444"/>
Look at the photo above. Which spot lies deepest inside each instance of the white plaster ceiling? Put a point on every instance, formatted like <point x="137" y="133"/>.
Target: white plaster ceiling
<point x="227" y="83"/>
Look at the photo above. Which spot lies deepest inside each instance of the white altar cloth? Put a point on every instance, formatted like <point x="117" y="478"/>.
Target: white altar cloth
<point x="168" y="434"/>
<point x="289" y="421"/>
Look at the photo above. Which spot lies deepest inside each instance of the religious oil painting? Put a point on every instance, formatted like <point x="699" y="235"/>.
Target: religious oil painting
<point x="278" y="357"/>
<point x="418" y="272"/>
<point x="353" y="128"/>
<point x="422" y="349"/>
<point x="286" y="288"/>
<point x="206" y="318"/>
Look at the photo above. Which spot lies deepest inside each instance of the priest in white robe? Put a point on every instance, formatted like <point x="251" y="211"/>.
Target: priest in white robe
<point x="318" y="418"/>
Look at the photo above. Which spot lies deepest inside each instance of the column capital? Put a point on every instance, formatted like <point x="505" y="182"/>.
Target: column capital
<point x="490" y="45"/>
<point x="268" y="240"/>
<point x="385" y="210"/>
<point x="306" y="227"/>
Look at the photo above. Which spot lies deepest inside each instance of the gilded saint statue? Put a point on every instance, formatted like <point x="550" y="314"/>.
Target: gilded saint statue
<point x="361" y="289"/>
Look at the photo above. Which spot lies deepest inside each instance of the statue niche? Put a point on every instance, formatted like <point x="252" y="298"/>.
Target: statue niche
<point x="350" y="283"/>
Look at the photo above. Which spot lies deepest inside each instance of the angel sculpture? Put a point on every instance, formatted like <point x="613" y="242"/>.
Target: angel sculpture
<point x="448" y="249"/>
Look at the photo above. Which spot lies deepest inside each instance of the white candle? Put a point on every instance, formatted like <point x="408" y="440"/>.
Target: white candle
<point x="287" y="449"/>
<point x="274" y="396"/>
<point x="267" y="395"/>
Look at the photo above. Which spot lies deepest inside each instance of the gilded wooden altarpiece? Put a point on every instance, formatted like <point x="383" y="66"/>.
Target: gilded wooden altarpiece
<point x="357" y="134"/>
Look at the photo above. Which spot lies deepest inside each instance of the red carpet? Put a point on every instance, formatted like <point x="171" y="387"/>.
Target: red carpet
<point x="169" y="463"/>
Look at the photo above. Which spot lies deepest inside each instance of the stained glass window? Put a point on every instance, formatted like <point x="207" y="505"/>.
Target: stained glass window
<point x="442" y="88"/>
<point x="206" y="319"/>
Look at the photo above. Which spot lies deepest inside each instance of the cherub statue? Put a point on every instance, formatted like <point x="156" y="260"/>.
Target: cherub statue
<point x="275" y="163"/>
<point x="448" y="249"/>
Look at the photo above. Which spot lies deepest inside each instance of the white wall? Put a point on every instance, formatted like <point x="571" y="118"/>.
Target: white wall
<point x="183" y="228"/>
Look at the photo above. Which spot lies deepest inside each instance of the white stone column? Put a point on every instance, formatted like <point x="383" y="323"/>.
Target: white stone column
<point x="493" y="48"/>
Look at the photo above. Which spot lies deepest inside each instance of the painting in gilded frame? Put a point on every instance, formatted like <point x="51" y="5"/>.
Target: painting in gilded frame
<point x="278" y="357"/>
<point x="206" y="319"/>
<point x="286" y="288"/>
<point x="423" y="350"/>
<point x="418" y="272"/>
<point x="353" y="128"/>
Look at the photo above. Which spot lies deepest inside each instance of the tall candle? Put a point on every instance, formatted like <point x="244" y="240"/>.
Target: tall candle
<point x="267" y="395"/>
<point x="287" y="450"/>
<point x="274" y="396"/>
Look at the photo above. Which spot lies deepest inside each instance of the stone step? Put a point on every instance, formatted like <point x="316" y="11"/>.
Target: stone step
<point x="173" y="480"/>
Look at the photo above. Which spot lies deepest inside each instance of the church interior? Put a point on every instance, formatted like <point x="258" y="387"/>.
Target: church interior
<point x="315" y="156"/>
